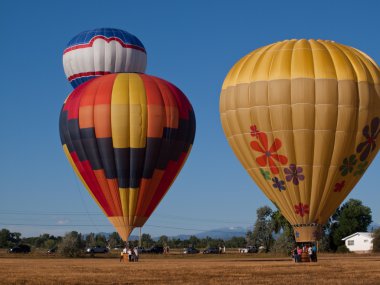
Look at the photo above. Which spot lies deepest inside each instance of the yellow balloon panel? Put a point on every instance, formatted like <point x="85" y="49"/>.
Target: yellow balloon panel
<point x="303" y="119"/>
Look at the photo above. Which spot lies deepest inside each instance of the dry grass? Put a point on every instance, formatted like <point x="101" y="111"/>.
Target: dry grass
<point x="174" y="269"/>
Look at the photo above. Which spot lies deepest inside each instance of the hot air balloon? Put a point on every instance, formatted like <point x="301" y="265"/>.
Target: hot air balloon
<point x="127" y="136"/>
<point x="302" y="116"/>
<point x="102" y="51"/>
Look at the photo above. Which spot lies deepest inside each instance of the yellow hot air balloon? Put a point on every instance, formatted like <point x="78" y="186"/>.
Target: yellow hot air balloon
<point x="302" y="116"/>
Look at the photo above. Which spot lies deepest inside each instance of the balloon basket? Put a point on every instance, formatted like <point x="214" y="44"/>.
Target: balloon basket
<point x="307" y="233"/>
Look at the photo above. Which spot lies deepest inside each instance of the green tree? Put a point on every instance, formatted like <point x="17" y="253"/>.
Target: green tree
<point x="8" y="238"/>
<point x="350" y="218"/>
<point x="285" y="242"/>
<point x="263" y="228"/>
<point x="100" y="240"/>
<point x="194" y="241"/>
<point x="326" y="243"/>
<point x="72" y="245"/>
<point x="4" y="237"/>
<point x="209" y="242"/>
<point x="236" y="242"/>
<point x="15" y="237"/>
<point x="163" y="240"/>
<point x="376" y="240"/>
<point x="90" y="240"/>
<point x="50" y="243"/>
<point x="174" y="243"/>
<point x="114" y="240"/>
<point x="146" y="240"/>
<point x="40" y="241"/>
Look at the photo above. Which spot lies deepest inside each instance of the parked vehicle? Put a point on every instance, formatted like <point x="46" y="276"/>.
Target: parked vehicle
<point x="22" y="248"/>
<point x="141" y="249"/>
<point x="211" y="250"/>
<point x="190" y="250"/>
<point x="248" y="249"/>
<point x="154" y="249"/>
<point x="52" y="250"/>
<point x="97" y="249"/>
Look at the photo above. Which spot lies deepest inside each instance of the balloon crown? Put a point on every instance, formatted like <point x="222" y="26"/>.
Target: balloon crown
<point x="102" y="51"/>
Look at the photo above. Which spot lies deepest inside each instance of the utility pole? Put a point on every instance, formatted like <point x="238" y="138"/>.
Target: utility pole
<point x="140" y="237"/>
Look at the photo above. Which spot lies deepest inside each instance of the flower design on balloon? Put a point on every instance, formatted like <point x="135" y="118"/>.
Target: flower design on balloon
<point x="348" y="165"/>
<point x="254" y="131"/>
<point x="294" y="173"/>
<point x="279" y="184"/>
<point x="269" y="154"/>
<point x="339" y="186"/>
<point x="362" y="167"/>
<point x="369" y="144"/>
<point x="301" y="209"/>
<point x="265" y="174"/>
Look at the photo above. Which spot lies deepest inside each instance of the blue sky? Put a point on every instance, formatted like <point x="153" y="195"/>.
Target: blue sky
<point x="192" y="44"/>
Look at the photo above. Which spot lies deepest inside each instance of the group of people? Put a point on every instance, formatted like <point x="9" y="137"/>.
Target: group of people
<point x="309" y="249"/>
<point x="133" y="254"/>
<point x="166" y="249"/>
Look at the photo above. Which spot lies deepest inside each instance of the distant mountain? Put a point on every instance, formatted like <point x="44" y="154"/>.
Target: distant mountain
<point x="221" y="233"/>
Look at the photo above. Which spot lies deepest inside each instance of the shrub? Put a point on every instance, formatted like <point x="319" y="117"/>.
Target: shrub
<point x="376" y="240"/>
<point x="72" y="245"/>
<point x="342" y="249"/>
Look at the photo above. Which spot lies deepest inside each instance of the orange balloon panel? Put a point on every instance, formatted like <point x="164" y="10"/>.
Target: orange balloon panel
<point x="302" y="116"/>
<point x="127" y="137"/>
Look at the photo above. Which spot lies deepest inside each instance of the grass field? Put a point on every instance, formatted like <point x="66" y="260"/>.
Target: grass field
<point x="197" y="269"/>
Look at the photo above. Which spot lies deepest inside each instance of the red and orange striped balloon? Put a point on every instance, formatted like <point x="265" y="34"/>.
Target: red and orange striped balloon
<point x="127" y="137"/>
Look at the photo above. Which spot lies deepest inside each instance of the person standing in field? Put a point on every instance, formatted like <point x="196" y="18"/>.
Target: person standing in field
<point x="310" y="252"/>
<point x="136" y="254"/>
<point x="124" y="251"/>
<point x="129" y="251"/>
<point x="314" y="249"/>
<point x="295" y="254"/>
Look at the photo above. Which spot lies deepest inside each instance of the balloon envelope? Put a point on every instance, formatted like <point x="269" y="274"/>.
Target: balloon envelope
<point x="102" y="51"/>
<point x="302" y="116"/>
<point x="127" y="136"/>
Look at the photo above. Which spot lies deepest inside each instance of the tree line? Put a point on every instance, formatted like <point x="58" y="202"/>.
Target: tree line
<point x="274" y="233"/>
<point x="271" y="232"/>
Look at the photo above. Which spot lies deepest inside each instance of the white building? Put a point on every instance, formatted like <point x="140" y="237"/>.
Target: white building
<point x="359" y="242"/>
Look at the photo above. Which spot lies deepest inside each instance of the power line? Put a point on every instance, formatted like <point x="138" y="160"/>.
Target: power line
<point x="162" y="216"/>
<point x="82" y="199"/>
<point x="49" y="213"/>
<point x="86" y="225"/>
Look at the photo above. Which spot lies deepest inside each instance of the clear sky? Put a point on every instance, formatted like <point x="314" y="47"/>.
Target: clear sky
<point x="192" y="44"/>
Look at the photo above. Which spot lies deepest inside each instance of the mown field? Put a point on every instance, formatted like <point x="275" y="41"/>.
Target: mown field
<point x="194" y="269"/>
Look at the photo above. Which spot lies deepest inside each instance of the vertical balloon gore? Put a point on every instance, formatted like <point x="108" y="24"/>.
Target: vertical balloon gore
<point x="127" y="136"/>
<point x="303" y="118"/>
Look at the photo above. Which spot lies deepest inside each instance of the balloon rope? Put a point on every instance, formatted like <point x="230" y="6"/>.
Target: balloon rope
<point x="84" y="204"/>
